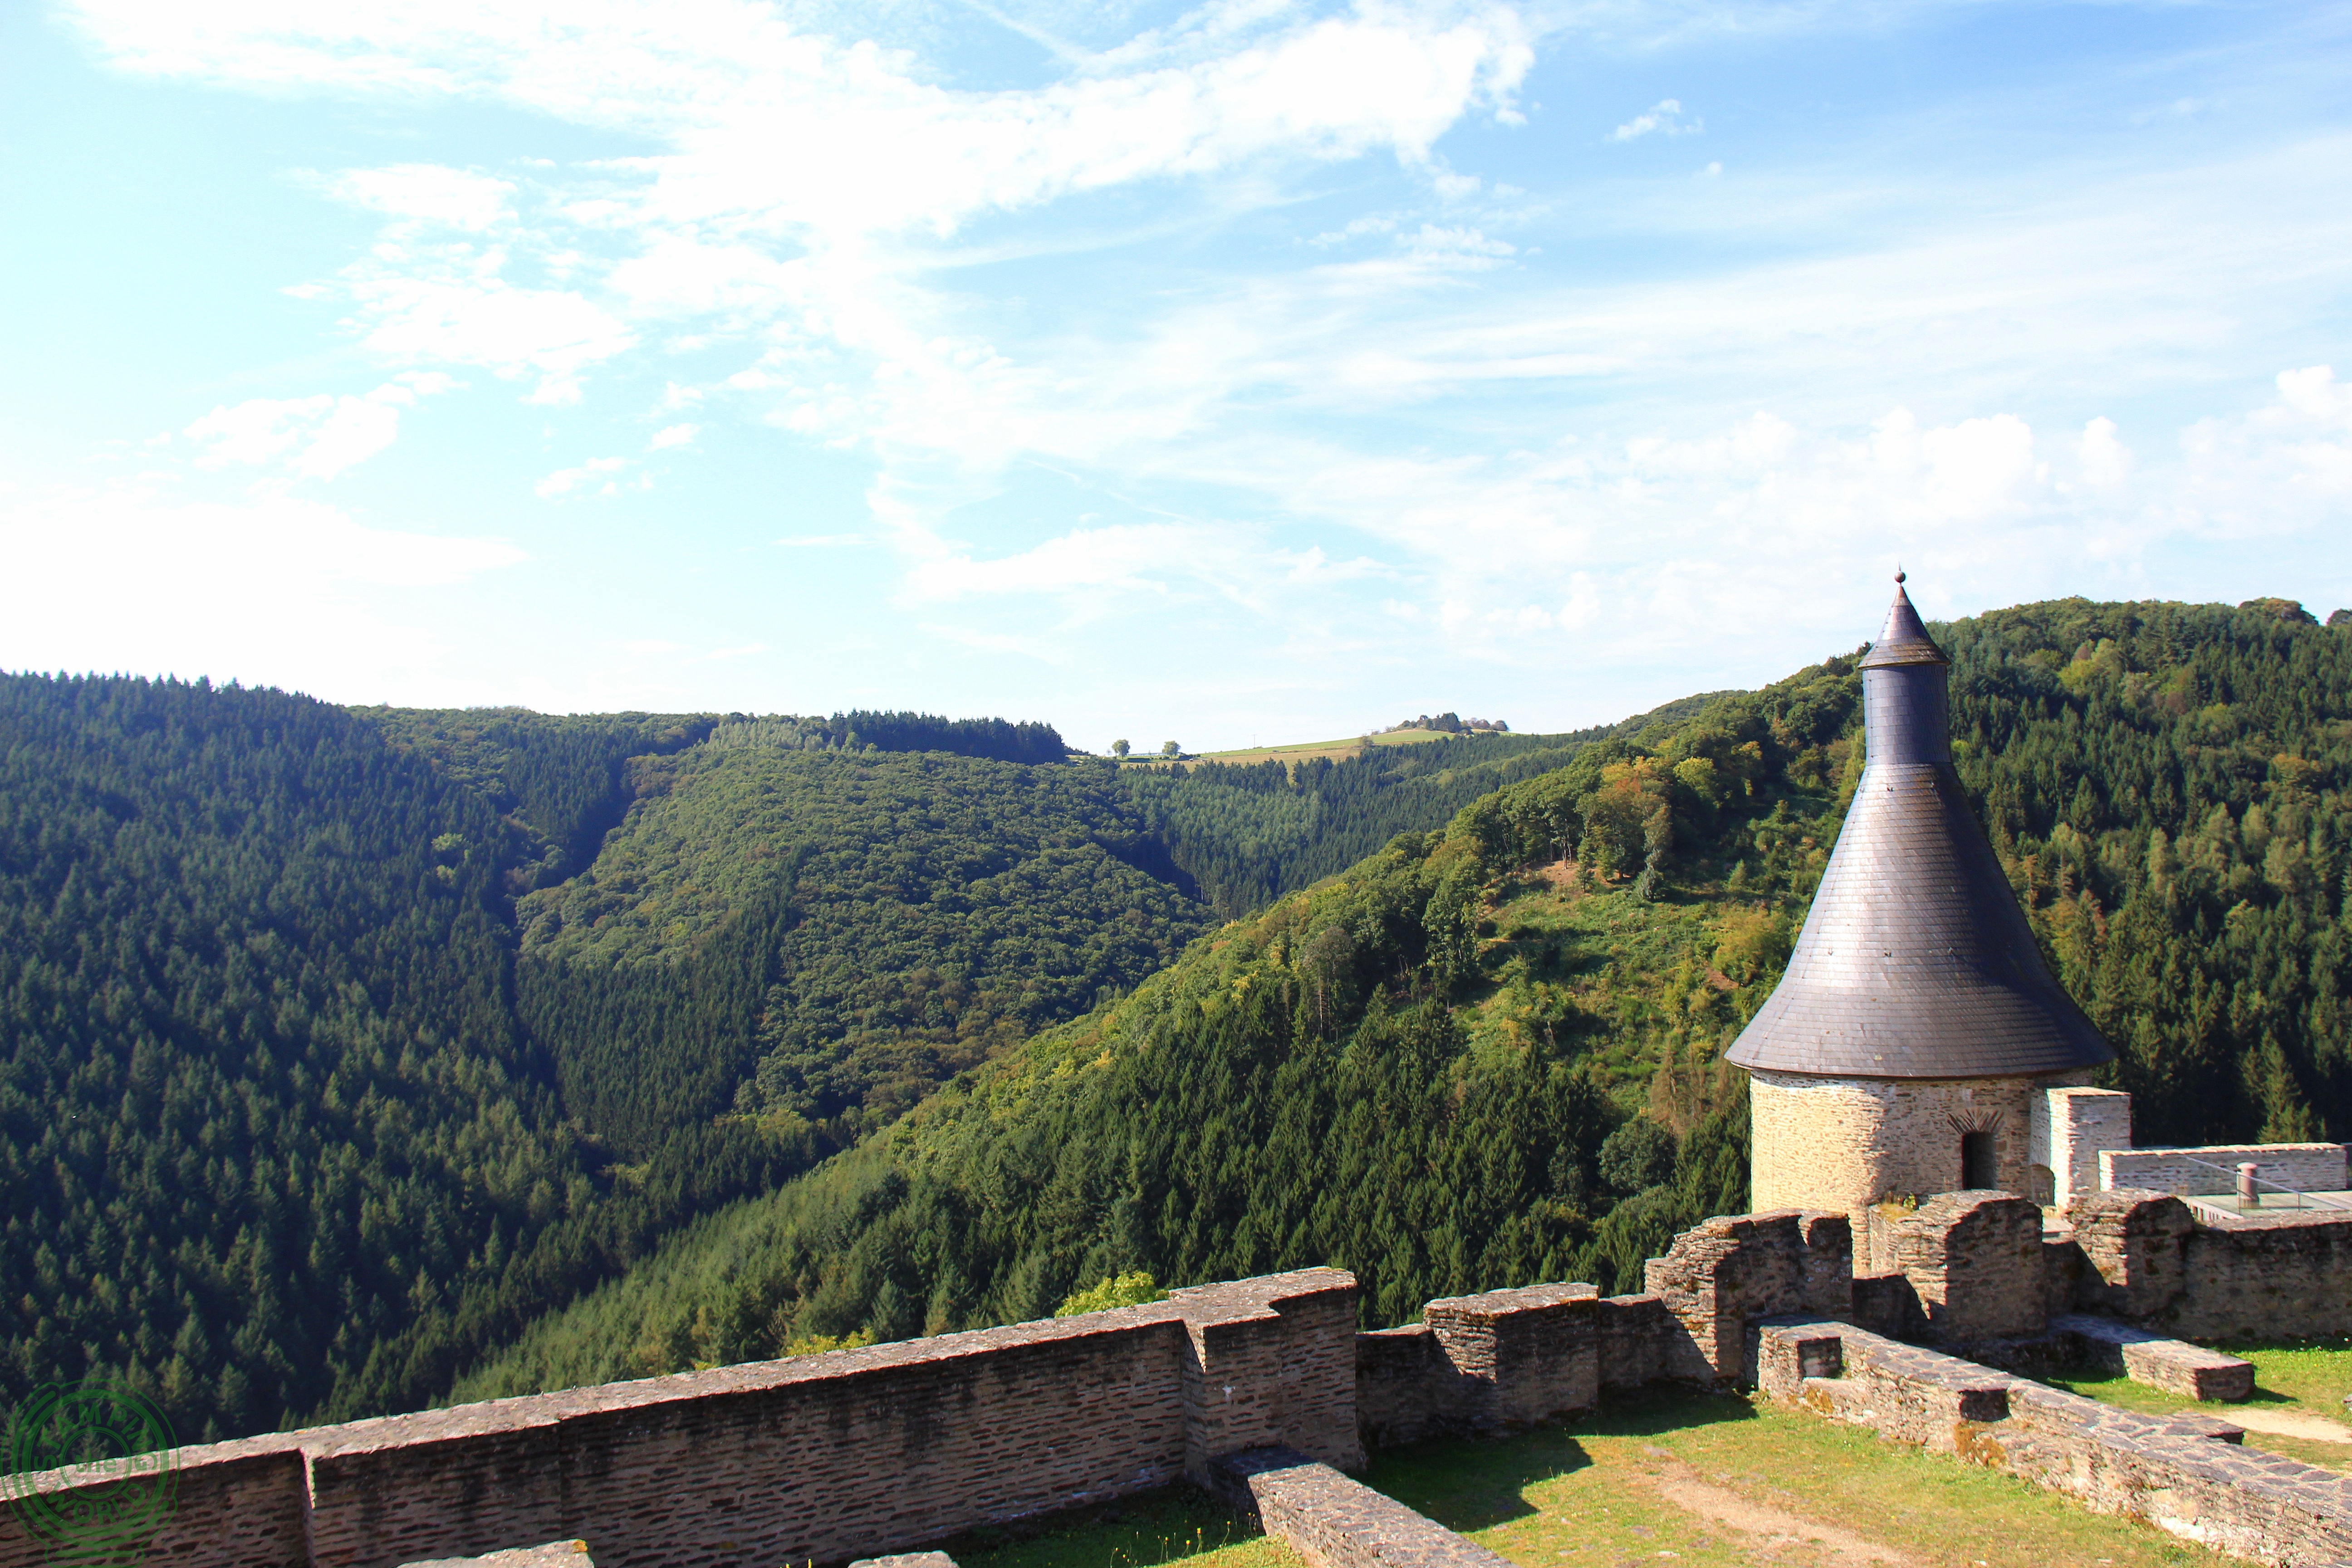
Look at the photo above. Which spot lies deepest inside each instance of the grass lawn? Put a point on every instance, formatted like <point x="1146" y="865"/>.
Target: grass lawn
<point x="2302" y="1380"/>
<point x="1697" y="1478"/>
<point x="1659" y="1476"/>
<point x="1175" y="1524"/>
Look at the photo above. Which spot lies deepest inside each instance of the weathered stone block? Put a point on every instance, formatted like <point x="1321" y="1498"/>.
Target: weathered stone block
<point x="1334" y="1522"/>
<point x="1520" y="1356"/>
<point x="2174" y="1365"/>
<point x="1725" y="1272"/>
<point x="1975" y="1260"/>
<point x="2070" y="1127"/>
<point x="2132" y="1240"/>
<point x="1273" y="1362"/>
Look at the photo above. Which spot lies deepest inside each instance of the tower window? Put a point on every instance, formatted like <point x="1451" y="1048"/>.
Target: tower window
<point x="1977" y="1165"/>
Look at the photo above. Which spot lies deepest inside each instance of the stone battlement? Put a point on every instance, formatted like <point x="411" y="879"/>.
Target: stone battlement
<point x="859" y="1453"/>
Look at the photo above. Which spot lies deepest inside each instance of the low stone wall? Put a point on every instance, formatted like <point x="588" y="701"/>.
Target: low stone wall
<point x="2271" y="1275"/>
<point x="2184" y="1474"/>
<point x="1335" y="1522"/>
<point x="2175" y="1366"/>
<point x="237" y="1505"/>
<point x="1723" y="1273"/>
<point x="2308" y="1167"/>
<point x="822" y="1457"/>
<point x="1506" y="1358"/>
<point x="890" y="1448"/>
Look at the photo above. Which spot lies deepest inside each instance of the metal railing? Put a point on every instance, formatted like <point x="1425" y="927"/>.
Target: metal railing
<point x="2246" y="1178"/>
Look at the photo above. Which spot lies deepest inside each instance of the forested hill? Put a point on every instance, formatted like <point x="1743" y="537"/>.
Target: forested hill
<point x="817" y="939"/>
<point x="1468" y="1063"/>
<point x="295" y="1122"/>
<point x="1248" y="832"/>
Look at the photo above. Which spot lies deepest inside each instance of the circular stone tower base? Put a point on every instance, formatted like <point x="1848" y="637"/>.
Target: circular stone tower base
<point x="1844" y="1144"/>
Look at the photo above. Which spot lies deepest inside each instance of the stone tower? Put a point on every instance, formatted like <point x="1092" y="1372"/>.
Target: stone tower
<point x="1909" y="1046"/>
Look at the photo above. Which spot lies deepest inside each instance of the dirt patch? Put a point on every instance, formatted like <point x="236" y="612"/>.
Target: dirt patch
<point x="1694" y="1493"/>
<point x="1561" y="873"/>
<point x="2288" y="1423"/>
<point x="1720" y="981"/>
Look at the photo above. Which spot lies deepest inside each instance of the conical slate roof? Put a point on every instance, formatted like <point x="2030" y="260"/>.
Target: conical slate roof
<point x="1915" y="961"/>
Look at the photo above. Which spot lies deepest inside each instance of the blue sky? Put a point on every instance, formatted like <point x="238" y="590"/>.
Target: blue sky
<point x="1232" y="372"/>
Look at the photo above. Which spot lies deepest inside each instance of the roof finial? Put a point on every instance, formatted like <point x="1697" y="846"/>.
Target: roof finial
<point x="1898" y="574"/>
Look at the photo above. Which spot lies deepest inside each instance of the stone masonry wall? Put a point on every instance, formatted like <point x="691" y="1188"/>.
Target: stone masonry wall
<point x="1974" y="1261"/>
<point x="1490" y="1363"/>
<point x="1726" y="1272"/>
<point x="241" y="1506"/>
<point x="2187" y="1475"/>
<point x="2308" y="1167"/>
<point x="2283" y="1274"/>
<point x="855" y="1453"/>
<point x="2070" y="1127"/>
<point x="825" y="1457"/>
<point x="1841" y="1144"/>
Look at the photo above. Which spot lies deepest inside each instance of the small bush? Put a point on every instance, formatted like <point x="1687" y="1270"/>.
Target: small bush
<point x="1131" y="1289"/>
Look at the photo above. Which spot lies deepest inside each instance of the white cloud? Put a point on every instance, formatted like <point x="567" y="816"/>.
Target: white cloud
<point x="594" y="477"/>
<point x="275" y="589"/>
<point x="1665" y="116"/>
<point x="717" y="222"/>
<point x="454" y="198"/>
<point x="317" y="437"/>
<point x="671" y="436"/>
<point x="437" y="311"/>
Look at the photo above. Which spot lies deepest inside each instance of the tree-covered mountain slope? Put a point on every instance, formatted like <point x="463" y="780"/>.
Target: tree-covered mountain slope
<point x="263" y="1101"/>
<point x="916" y="912"/>
<point x="1491" y="1055"/>
<point x="293" y="1121"/>
<point x="1247" y="833"/>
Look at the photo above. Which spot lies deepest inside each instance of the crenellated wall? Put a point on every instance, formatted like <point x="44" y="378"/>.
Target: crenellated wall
<point x="856" y="1453"/>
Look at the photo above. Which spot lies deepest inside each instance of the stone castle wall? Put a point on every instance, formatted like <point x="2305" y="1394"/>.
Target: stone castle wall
<point x="2185" y="1474"/>
<point x="2071" y="1127"/>
<point x="1841" y="1144"/>
<point x="2273" y="1276"/>
<point x="855" y="1453"/>
<point x="2308" y="1167"/>
<point x="821" y="1458"/>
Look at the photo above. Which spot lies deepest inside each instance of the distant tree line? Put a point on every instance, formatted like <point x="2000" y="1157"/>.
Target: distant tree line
<point x="991" y="737"/>
<point x="1448" y="724"/>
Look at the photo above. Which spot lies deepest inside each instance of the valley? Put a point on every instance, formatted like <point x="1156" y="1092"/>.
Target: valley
<point x="359" y="1060"/>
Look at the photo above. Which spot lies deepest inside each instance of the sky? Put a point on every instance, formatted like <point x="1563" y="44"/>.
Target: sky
<point x="1229" y="374"/>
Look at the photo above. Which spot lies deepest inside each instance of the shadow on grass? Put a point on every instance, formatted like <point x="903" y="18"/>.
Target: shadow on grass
<point x="2093" y="1382"/>
<point x="1165" y="1526"/>
<point x="1469" y="1484"/>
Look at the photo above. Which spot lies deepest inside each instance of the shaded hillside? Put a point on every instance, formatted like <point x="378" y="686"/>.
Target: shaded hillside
<point x="1464" y="1064"/>
<point x="263" y="1103"/>
<point x="288" y="1128"/>
<point x="814" y="936"/>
